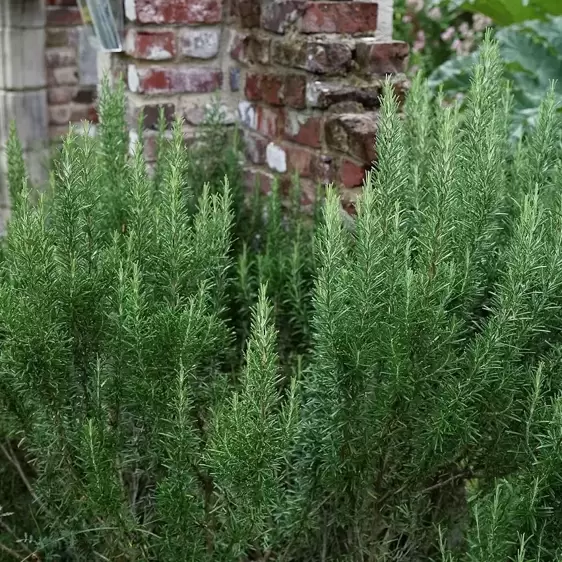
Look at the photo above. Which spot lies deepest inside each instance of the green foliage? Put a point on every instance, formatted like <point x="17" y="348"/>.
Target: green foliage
<point x="532" y="53"/>
<point x="508" y="12"/>
<point x="188" y="373"/>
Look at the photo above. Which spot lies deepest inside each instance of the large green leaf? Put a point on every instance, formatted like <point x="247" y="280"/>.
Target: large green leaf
<point x="508" y="12"/>
<point x="532" y="52"/>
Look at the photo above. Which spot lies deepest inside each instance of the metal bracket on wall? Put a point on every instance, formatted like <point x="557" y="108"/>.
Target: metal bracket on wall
<point x="106" y="19"/>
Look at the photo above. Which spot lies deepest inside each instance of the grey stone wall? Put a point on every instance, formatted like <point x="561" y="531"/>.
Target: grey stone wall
<point x="23" y="94"/>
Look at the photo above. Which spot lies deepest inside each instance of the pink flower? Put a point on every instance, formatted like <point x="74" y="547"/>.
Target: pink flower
<point x="419" y="43"/>
<point x="434" y="14"/>
<point x="457" y="46"/>
<point x="465" y="30"/>
<point x="407" y="18"/>
<point x="415" y="5"/>
<point x="448" y="34"/>
<point x="481" y="22"/>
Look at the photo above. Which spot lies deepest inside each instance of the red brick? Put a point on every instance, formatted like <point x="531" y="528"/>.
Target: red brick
<point x="351" y="174"/>
<point x="276" y="89"/>
<point x="299" y="160"/>
<point x="151" y="114"/>
<point x="249" y="12"/>
<point x="55" y="57"/>
<point x="324" y="170"/>
<point x="254" y="147"/>
<point x="295" y="91"/>
<point x="81" y="112"/>
<point x="272" y="89"/>
<point x="340" y="17"/>
<point x="277" y="16"/>
<point x="178" y="11"/>
<point x="304" y="129"/>
<point x="178" y="80"/>
<point x="270" y="122"/>
<point x="374" y="57"/>
<point x="151" y="145"/>
<point x="353" y="134"/>
<point x="258" y="178"/>
<point x="63" y="16"/>
<point x="61" y="3"/>
<point x="247" y="48"/>
<point x="150" y="45"/>
<point x="252" y="88"/>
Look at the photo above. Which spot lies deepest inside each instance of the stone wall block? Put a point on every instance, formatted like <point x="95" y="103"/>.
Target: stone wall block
<point x="21" y="62"/>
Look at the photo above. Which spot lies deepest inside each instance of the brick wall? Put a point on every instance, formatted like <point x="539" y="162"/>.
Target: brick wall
<point x="71" y="62"/>
<point x="302" y="77"/>
<point x="175" y="59"/>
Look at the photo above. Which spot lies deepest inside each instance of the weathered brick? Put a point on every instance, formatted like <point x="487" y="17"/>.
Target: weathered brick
<point x="83" y="112"/>
<point x="299" y="160"/>
<point x="270" y="122"/>
<point x="324" y="169"/>
<point x="295" y="91"/>
<point x="249" y="12"/>
<point x="258" y="179"/>
<point x="56" y="57"/>
<point x="247" y="114"/>
<point x="196" y="111"/>
<point x="174" y="79"/>
<point x="339" y="17"/>
<point x="174" y="11"/>
<point x="59" y="114"/>
<point x="353" y="134"/>
<point x="150" y="45"/>
<point x="316" y="56"/>
<point x="250" y="48"/>
<point x="254" y="147"/>
<point x="277" y="16"/>
<point x="202" y="43"/>
<point x="151" y="114"/>
<point x="276" y="89"/>
<point x="348" y="199"/>
<point x="63" y="16"/>
<point x="85" y="95"/>
<point x="252" y="88"/>
<point x="272" y="88"/>
<point x="303" y="129"/>
<point x="150" y="141"/>
<point x="62" y="94"/>
<point x="351" y="174"/>
<point x="56" y="37"/>
<point x="64" y="76"/>
<point x="325" y="94"/>
<point x="374" y="57"/>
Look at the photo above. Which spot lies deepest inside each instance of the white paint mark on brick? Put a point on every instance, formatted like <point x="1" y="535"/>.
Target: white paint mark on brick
<point x="156" y="52"/>
<point x="200" y="43"/>
<point x="133" y="78"/>
<point x="130" y="10"/>
<point x="276" y="158"/>
<point x="312" y="93"/>
<point x="247" y="114"/>
<point x="133" y="140"/>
